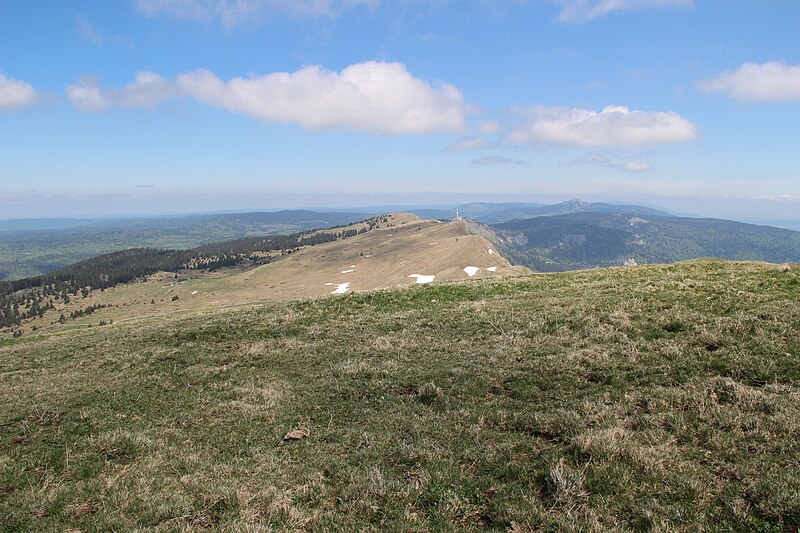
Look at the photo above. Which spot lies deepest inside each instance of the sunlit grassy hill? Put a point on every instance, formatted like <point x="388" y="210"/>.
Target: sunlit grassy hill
<point x="661" y="398"/>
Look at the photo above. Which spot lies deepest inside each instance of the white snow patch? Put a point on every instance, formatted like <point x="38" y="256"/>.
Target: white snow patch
<point x="352" y="266"/>
<point x="195" y="292"/>
<point x="492" y="269"/>
<point x="348" y="271"/>
<point x="328" y="284"/>
<point x="342" y="288"/>
<point x="491" y="251"/>
<point x="471" y="270"/>
<point x="421" y="278"/>
<point x="433" y="244"/>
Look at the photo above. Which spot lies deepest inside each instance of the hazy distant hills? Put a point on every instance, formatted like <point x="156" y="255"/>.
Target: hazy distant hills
<point x="33" y="247"/>
<point x="564" y="236"/>
<point x="495" y="213"/>
<point x="596" y="239"/>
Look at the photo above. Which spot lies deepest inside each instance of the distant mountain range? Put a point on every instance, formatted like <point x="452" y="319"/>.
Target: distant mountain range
<point x="596" y="239"/>
<point x="564" y="236"/>
<point x="491" y="213"/>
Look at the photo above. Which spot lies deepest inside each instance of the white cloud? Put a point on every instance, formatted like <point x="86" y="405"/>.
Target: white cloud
<point x="613" y="126"/>
<point x="148" y="90"/>
<point x="635" y="167"/>
<point x="767" y="82"/>
<point x="497" y="160"/>
<point x="15" y="94"/>
<point x="468" y="143"/>
<point x="232" y="12"/>
<point x="585" y="10"/>
<point x="88" y="97"/>
<point x="372" y="96"/>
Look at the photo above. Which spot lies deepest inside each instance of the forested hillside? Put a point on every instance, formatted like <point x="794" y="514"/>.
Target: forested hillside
<point x="589" y="240"/>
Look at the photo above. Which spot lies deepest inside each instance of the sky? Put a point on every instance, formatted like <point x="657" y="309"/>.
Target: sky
<point x="171" y="106"/>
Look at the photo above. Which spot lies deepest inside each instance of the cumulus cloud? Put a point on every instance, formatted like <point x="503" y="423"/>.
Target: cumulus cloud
<point x="468" y="143"/>
<point x="497" y="160"/>
<point x="613" y="126"/>
<point x="585" y="10"/>
<point x="231" y="12"/>
<point x="15" y="94"/>
<point x="148" y="90"/>
<point x="767" y="82"/>
<point x="372" y="96"/>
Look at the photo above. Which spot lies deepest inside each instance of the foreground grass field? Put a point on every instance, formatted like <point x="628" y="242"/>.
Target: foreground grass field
<point x="662" y="398"/>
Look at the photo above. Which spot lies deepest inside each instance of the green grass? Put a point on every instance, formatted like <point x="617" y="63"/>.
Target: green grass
<point x="661" y="398"/>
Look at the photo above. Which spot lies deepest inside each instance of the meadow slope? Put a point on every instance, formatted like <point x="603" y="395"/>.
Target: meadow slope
<point x="661" y="398"/>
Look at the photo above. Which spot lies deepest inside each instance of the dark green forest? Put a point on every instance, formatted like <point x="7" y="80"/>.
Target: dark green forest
<point x="591" y="240"/>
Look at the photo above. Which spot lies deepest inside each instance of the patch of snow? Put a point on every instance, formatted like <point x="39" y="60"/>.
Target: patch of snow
<point x="421" y="278"/>
<point x="328" y="284"/>
<point x="471" y="270"/>
<point x="195" y="292"/>
<point x="352" y="266"/>
<point x="491" y="251"/>
<point x="348" y="271"/>
<point x="433" y="244"/>
<point x="342" y="288"/>
<point x="492" y="269"/>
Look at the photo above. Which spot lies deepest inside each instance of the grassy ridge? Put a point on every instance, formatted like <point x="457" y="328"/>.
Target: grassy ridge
<point x="662" y="398"/>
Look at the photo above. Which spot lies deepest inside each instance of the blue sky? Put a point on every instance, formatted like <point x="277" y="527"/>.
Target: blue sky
<point x="153" y="106"/>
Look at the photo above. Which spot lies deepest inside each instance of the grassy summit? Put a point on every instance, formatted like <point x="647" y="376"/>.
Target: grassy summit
<point x="659" y="397"/>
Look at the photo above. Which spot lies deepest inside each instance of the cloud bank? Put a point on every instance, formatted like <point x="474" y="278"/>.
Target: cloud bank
<point x="767" y="82"/>
<point x="15" y="94"/>
<point x="373" y="96"/>
<point x="615" y="126"/>
<point x="232" y="12"/>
